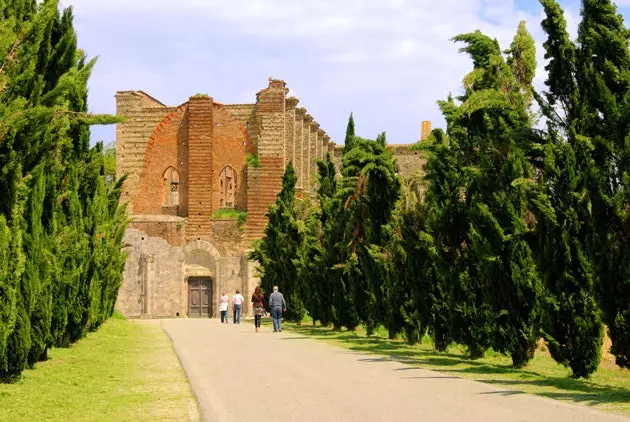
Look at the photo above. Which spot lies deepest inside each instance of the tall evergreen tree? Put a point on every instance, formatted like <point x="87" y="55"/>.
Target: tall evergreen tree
<point x="522" y="61"/>
<point x="413" y="255"/>
<point x="584" y="105"/>
<point x="369" y="191"/>
<point x="350" y="135"/>
<point x="603" y="79"/>
<point x="315" y="265"/>
<point x="445" y="225"/>
<point x="44" y="140"/>
<point x="277" y="251"/>
<point x="496" y="288"/>
<point x="344" y="312"/>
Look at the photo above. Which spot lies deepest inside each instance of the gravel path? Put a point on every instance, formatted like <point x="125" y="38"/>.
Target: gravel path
<point x="239" y="375"/>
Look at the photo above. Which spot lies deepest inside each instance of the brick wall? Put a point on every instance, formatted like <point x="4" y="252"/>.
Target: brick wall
<point x="245" y="114"/>
<point x="408" y="162"/>
<point x="162" y="151"/>
<point x="231" y="142"/>
<point x="229" y="237"/>
<point x="142" y="115"/>
<point x="270" y="116"/>
<point x="200" y="164"/>
<point x="263" y="185"/>
<point x="266" y="181"/>
<point x="171" y="229"/>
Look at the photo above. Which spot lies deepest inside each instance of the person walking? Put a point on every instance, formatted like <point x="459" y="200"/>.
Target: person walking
<point x="223" y="307"/>
<point x="258" y="303"/>
<point x="237" y="307"/>
<point x="278" y="305"/>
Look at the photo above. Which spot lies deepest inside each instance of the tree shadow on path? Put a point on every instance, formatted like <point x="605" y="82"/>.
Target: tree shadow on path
<point x="540" y="379"/>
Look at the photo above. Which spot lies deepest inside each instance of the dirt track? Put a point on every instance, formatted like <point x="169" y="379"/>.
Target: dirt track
<point x="238" y="375"/>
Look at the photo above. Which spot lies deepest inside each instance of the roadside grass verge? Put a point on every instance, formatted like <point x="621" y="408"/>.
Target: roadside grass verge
<point x="126" y="371"/>
<point x="608" y="389"/>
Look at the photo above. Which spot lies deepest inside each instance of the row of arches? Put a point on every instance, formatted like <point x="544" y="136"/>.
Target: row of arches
<point x="171" y="187"/>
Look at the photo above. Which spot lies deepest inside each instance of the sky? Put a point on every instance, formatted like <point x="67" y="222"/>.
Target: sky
<point x="386" y="61"/>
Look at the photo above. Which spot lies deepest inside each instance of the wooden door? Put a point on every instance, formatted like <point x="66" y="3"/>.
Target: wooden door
<point x="199" y="297"/>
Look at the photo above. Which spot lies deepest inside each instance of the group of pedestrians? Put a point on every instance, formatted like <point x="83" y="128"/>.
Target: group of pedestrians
<point x="277" y="305"/>
<point x="237" y="307"/>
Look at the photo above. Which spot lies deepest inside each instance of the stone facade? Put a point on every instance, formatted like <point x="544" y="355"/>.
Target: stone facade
<point x="193" y="172"/>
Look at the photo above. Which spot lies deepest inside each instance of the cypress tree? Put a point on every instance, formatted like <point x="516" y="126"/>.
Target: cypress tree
<point x="277" y="251"/>
<point x="603" y="79"/>
<point x="43" y="89"/>
<point x="496" y="288"/>
<point x="350" y="135"/>
<point x="584" y="103"/>
<point x="445" y="231"/>
<point x="369" y="192"/>
<point x="315" y="274"/>
<point x="338" y="254"/>
<point x="521" y="57"/>
<point x="413" y="254"/>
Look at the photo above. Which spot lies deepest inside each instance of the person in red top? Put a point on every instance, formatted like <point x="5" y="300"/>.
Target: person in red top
<point x="258" y="303"/>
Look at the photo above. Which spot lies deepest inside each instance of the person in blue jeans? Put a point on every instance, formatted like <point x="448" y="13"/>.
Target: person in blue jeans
<point x="237" y="306"/>
<point x="278" y="305"/>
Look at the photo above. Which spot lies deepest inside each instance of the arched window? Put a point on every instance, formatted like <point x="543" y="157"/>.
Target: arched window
<point x="170" y="187"/>
<point x="227" y="184"/>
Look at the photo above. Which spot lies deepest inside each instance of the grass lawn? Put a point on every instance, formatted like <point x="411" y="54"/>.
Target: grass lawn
<point x="126" y="371"/>
<point x="608" y="390"/>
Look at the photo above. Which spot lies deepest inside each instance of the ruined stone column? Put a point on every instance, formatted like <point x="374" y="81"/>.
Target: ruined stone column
<point x="312" y="163"/>
<point x="289" y="151"/>
<point x="271" y="121"/>
<point x="306" y="151"/>
<point x="426" y="130"/>
<point x="321" y="145"/>
<point x="148" y="279"/>
<point x="300" y="113"/>
<point x="325" y="141"/>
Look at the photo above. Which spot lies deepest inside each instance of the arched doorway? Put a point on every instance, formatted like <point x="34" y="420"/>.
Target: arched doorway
<point x="199" y="287"/>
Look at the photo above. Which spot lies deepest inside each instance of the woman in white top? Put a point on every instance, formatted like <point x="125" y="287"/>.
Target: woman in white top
<point x="223" y="307"/>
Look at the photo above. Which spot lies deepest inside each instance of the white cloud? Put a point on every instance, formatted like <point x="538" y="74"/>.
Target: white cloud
<point x="389" y="61"/>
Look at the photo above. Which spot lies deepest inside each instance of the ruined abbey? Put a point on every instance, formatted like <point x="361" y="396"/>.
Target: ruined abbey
<point x="200" y="178"/>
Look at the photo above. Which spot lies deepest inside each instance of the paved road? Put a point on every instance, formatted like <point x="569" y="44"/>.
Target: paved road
<point x="239" y="375"/>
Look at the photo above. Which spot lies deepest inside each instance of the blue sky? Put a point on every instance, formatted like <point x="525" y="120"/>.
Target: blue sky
<point x="387" y="61"/>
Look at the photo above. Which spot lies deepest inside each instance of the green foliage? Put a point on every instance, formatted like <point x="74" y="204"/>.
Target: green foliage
<point x="231" y="213"/>
<point x="350" y="136"/>
<point x="315" y="262"/>
<point x="522" y="61"/>
<point x="603" y="80"/>
<point x="586" y="163"/>
<point x="344" y="263"/>
<point x="277" y="252"/>
<point x="253" y="160"/>
<point x="109" y="164"/>
<point x="513" y="233"/>
<point x="60" y="223"/>
<point x="485" y="270"/>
